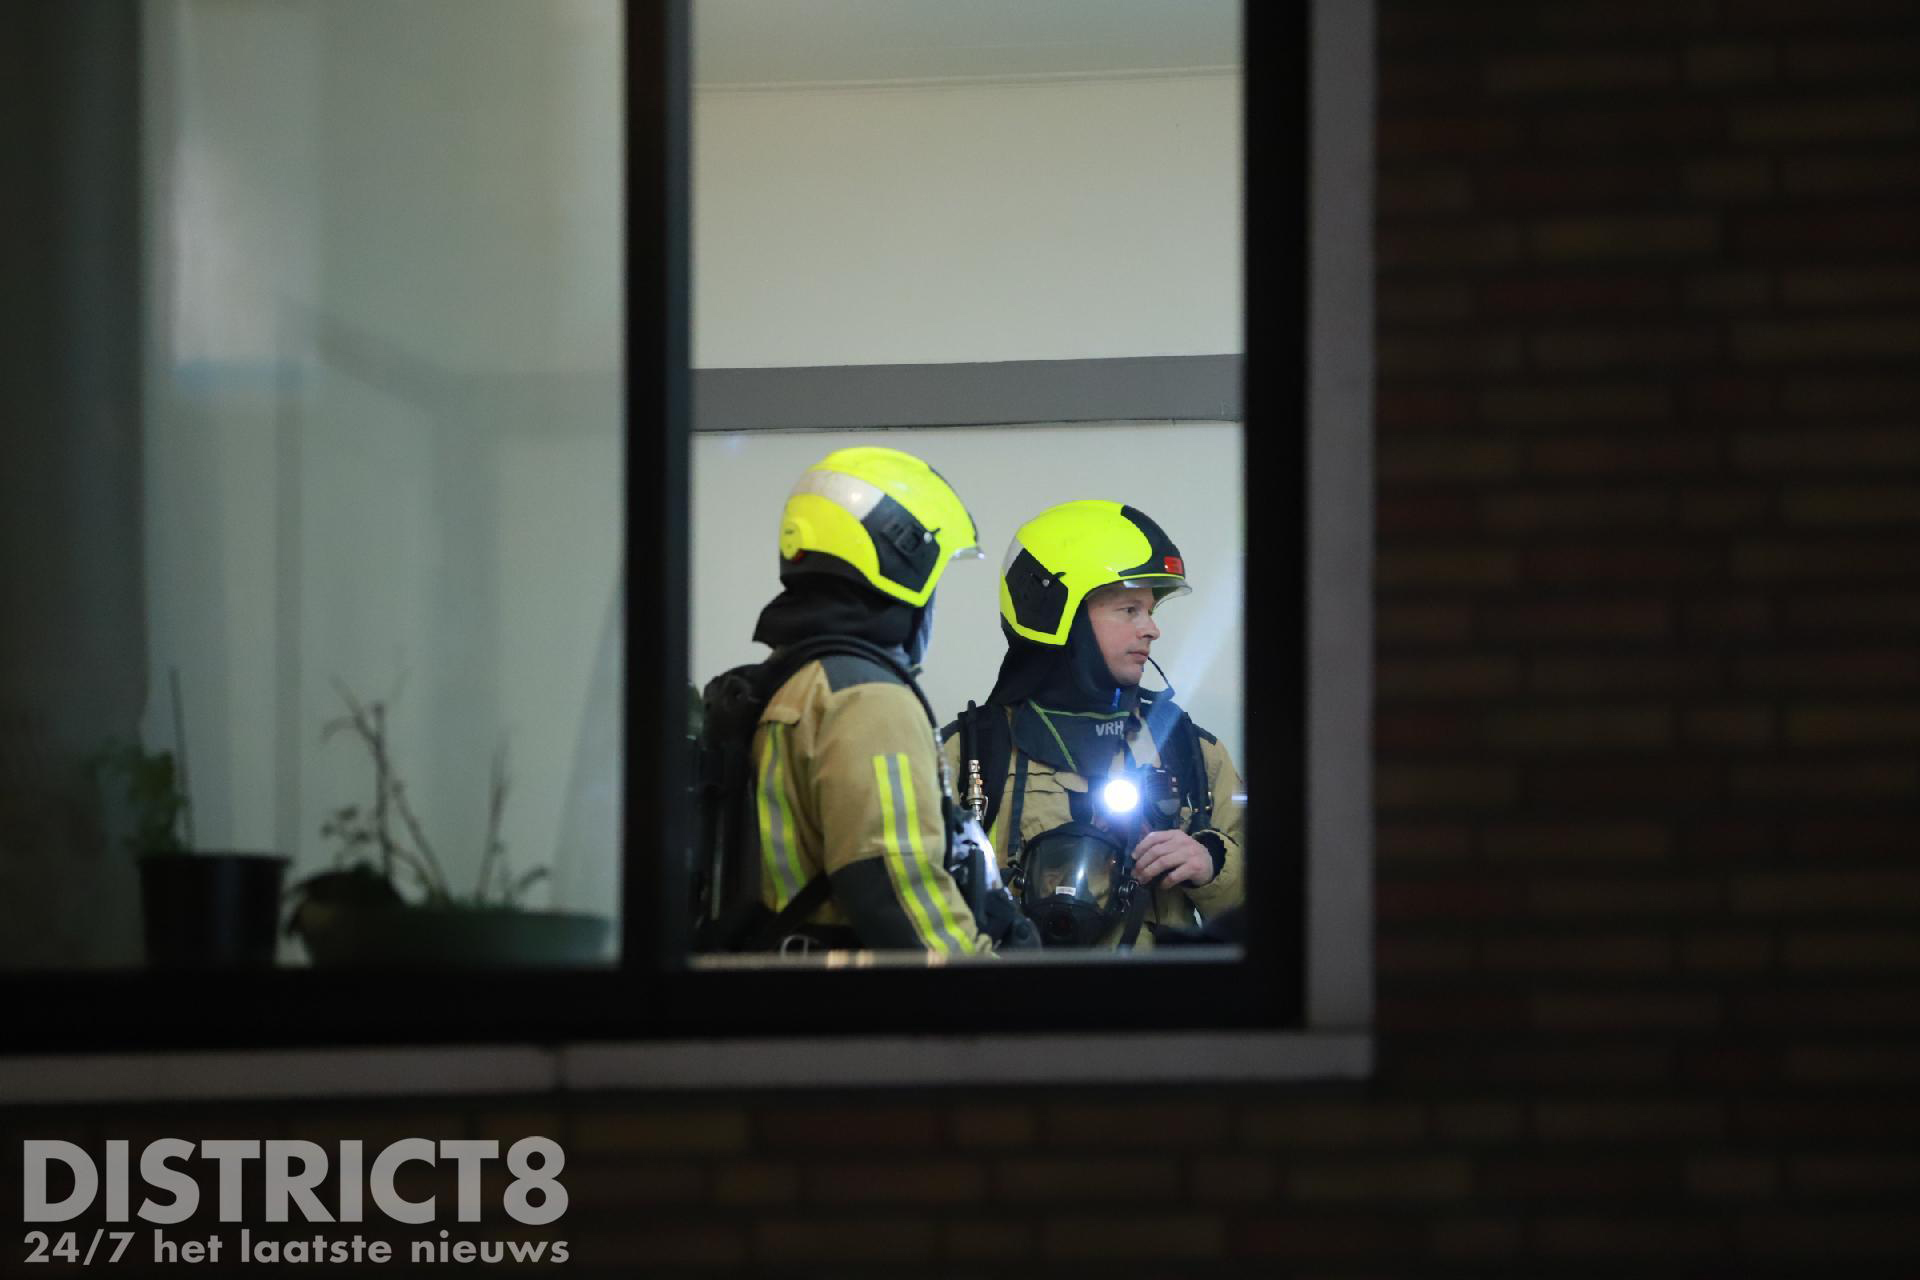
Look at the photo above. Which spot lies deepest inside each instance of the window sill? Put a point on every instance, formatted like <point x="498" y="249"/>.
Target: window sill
<point x="854" y="1061"/>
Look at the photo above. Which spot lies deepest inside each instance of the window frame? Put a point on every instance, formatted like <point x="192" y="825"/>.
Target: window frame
<point x="653" y="1002"/>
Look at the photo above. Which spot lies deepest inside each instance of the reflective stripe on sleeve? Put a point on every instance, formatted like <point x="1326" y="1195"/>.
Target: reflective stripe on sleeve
<point x="912" y="874"/>
<point x="776" y="823"/>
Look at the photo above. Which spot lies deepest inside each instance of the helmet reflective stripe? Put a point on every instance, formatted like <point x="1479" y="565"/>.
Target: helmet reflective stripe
<point x="883" y="516"/>
<point x="1067" y="551"/>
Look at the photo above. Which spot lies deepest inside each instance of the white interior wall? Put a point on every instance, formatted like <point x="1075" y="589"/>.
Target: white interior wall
<point x="383" y="397"/>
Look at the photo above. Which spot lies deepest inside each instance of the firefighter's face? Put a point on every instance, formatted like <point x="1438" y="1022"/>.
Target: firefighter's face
<point x="1123" y="626"/>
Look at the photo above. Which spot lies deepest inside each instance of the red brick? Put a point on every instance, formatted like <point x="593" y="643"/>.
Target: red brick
<point x="1616" y="348"/>
<point x="1603" y="509"/>
<point x="1422" y="841"/>
<point x="1730" y="725"/>
<point x="1813" y="13"/>
<point x="1733" y="1177"/>
<point x="844" y="1240"/>
<point x="1225" y="1179"/>
<point x="1577" y="72"/>
<point x="1832" y="450"/>
<point x="987" y="1239"/>
<point x="1191" y="1124"/>
<point x="1827" y="1234"/>
<point x="1585" y="1178"/>
<point x="1849" y="725"/>
<point x="1736" y="837"/>
<point x="1422" y="191"/>
<point x="1629" y="128"/>
<point x="1857" y="504"/>
<point x="1647" y="563"/>
<point x="663" y="1244"/>
<point x="1445" y="135"/>
<point x="756" y="1182"/>
<point x="1587" y="786"/>
<point x="1729" y="1069"/>
<point x="1584" y="617"/>
<point x="917" y="1127"/>
<point x="1628" y="1236"/>
<point x="697" y="1129"/>
<point x="1447" y="787"/>
<point x="1853" y="951"/>
<point x="1827" y="892"/>
<point x="1853" y="1064"/>
<point x="1624" y="237"/>
<point x="1873" y="173"/>
<point x="1617" y="16"/>
<point x="1729" y="617"/>
<point x="1730" y="179"/>
<point x="1606" y="1121"/>
<point x="1853" y="61"/>
<point x="1729" y="290"/>
<point x="1726" y="953"/>
<point x="1855" y="1175"/>
<point x="1850" y="286"/>
<point x="1445" y="355"/>
<point x="1321" y="1236"/>
<point x="990" y="1127"/>
<point x="1473" y="676"/>
<point x="1435" y="900"/>
<point x="1478" y="1121"/>
<point x="1399" y="512"/>
<point x="1633" y="673"/>
<point x="1723" y="63"/>
<point x="1574" y="295"/>
<point x="1742" y="395"/>
<point x="1417" y="303"/>
<point x="1408" y="77"/>
<point x="1774" y="561"/>
<point x="1726" y="508"/>
<point x="1560" y="403"/>
<point x="1826" y="1120"/>
<point x="1827" y="120"/>
<point x="1422" y="1179"/>
<point x="621" y="1183"/>
<point x="1609" y="841"/>
<point x="1638" y="1011"/>
<point x="1838" y="781"/>
<point x="1827" y="1009"/>
<point x="1852" y="230"/>
<point x="1435" y="461"/>
<point x="1560" y="953"/>
<point x="1580" y="729"/>
<point x="1334" y="1124"/>
<point x="1396" y="957"/>
<point x="930" y="1182"/>
<point x="1444" y="567"/>
<point x="1397" y="408"/>
<point x="1478" y="1237"/>
<point x="1838" y="839"/>
<point x="1027" y="1181"/>
<point x="1859" y="395"/>
<point x="1562" y="186"/>
<point x="1623" y="455"/>
<point x="1424" y="729"/>
<point x="1422" y="624"/>
<point x="1826" y="341"/>
<point x="1446" y="1011"/>
<point x="1639" y="898"/>
<point x="1837" y="669"/>
<point x="1525" y="1070"/>
<point x="1474" y="244"/>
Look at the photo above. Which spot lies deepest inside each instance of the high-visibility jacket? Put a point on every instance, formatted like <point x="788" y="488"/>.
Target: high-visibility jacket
<point x="847" y="781"/>
<point x="1046" y="805"/>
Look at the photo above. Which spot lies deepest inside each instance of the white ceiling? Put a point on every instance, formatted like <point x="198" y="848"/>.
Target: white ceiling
<point x="755" y="42"/>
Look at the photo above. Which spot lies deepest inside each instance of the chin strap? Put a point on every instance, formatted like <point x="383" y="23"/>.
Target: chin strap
<point x="1163" y="677"/>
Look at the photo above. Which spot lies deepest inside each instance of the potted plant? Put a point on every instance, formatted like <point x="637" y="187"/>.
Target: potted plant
<point x="357" y="914"/>
<point x="199" y="909"/>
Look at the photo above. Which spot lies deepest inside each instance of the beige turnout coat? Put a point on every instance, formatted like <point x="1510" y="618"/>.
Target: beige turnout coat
<point x="847" y="782"/>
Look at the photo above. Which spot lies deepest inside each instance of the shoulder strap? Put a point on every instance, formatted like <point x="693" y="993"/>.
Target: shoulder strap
<point x="782" y="663"/>
<point x="984" y="737"/>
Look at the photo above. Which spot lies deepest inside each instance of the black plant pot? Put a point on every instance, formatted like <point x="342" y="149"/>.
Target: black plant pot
<point x="211" y="910"/>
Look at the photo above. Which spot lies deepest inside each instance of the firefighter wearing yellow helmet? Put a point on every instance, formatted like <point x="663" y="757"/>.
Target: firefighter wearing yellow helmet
<point x="849" y="813"/>
<point x="1118" y="820"/>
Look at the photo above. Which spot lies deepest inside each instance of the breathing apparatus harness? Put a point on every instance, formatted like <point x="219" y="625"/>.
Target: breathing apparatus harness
<point x="1050" y="875"/>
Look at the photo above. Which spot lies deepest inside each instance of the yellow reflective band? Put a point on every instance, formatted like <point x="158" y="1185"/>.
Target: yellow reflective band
<point x="925" y="869"/>
<point x="776" y="836"/>
<point x="897" y="868"/>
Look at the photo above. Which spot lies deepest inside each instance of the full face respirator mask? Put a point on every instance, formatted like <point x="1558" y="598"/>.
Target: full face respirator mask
<point x="1076" y="880"/>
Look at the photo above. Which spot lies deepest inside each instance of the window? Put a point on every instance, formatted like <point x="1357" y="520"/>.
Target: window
<point x="508" y="367"/>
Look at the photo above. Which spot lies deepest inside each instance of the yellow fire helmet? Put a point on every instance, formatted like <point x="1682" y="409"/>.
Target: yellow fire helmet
<point x="883" y="514"/>
<point x="1065" y="552"/>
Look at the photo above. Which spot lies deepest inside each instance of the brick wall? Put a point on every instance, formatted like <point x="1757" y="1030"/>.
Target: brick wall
<point x="1648" y="739"/>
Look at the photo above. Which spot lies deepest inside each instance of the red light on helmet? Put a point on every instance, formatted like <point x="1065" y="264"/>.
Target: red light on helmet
<point x="1175" y="565"/>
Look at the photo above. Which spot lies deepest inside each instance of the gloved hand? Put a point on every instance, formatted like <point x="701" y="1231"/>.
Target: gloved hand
<point x="1002" y="920"/>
